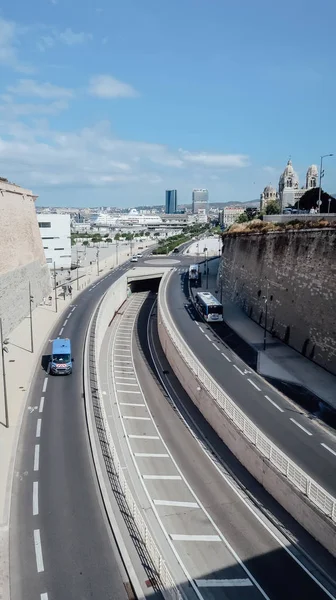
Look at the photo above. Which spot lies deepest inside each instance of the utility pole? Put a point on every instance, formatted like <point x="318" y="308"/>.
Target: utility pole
<point x="320" y="182"/>
<point x="97" y="256"/>
<point x="55" y="286"/>
<point x="4" y="349"/>
<point x="31" y="300"/>
<point x="207" y="269"/>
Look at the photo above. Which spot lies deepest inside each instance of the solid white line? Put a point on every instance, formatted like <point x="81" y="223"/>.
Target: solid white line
<point x="274" y="404"/>
<point x="38" y="427"/>
<point x="37" y="457"/>
<point x="129" y="378"/>
<point x="131" y="404"/>
<point x="254" y="385"/>
<point x="124" y="371"/>
<point x="65" y="322"/>
<point x="227" y="358"/>
<point x="301" y="426"/>
<point x="241" y="372"/>
<point x="121" y="345"/>
<point x="119" y="362"/>
<point x="128" y="391"/>
<point x="44" y="596"/>
<point x="164" y="477"/>
<point x="329" y="449"/>
<point x="175" y="503"/>
<point x="216" y="346"/>
<point x="137" y="418"/>
<point x="223" y="582"/>
<point x="144" y="437"/>
<point x="35" y="499"/>
<point x="208" y="337"/>
<point x="45" y="383"/>
<point x="181" y="537"/>
<point x="61" y="331"/>
<point x="125" y="354"/>
<point x="126" y="383"/>
<point x="41" y="404"/>
<point x="150" y="455"/>
<point x="38" y="551"/>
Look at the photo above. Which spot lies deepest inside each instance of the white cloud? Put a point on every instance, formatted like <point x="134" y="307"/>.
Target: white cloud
<point x="223" y="161"/>
<point x="9" y="35"/>
<point x="70" y="38"/>
<point x="11" y="110"/>
<point x="30" y="87"/>
<point x="270" y="170"/>
<point x="105" y="86"/>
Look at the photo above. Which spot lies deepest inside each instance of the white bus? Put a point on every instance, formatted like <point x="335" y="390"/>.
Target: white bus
<point x="209" y="306"/>
<point x="194" y="272"/>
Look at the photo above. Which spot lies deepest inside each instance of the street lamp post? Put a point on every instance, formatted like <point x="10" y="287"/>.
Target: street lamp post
<point x="31" y="300"/>
<point x="320" y="182"/>
<point x="4" y="349"/>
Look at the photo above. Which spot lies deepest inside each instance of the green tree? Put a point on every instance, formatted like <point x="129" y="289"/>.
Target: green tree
<point x="85" y="243"/>
<point x="272" y="208"/>
<point x="106" y="235"/>
<point x="243" y="218"/>
<point x="117" y="237"/>
<point x="108" y="240"/>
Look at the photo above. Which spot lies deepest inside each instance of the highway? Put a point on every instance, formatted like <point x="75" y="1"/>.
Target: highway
<point x="227" y="550"/>
<point x="60" y="542"/>
<point x="307" y="443"/>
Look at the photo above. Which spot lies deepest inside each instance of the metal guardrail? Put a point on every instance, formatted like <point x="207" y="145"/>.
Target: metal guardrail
<point x="316" y="494"/>
<point x="141" y="535"/>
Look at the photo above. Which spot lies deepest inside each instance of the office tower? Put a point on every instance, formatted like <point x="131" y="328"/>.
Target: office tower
<point x="171" y="201"/>
<point x="200" y="199"/>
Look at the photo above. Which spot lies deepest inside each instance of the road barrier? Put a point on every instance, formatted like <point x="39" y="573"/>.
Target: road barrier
<point x="325" y="502"/>
<point x="141" y="535"/>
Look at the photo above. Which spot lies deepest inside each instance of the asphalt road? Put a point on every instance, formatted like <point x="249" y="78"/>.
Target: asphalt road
<point x="60" y="543"/>
<point x="313" y="449"/>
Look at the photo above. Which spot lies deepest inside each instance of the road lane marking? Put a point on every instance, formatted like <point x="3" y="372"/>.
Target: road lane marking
<point x="254" y="384"/>
<point x="213" y="343"/>
<point x="223" y="582"/>
<point x="300" y="426"/>
<point x="241" y="372"/>
<point x="44" y="596"/>
<point x="207" y="337"/>
<point x="175" y="503"/>
<point x="137" y="418"/>
<point x="329" y="449"/>
<point x="126" y="383"/>
<point x="38" y="428"/>
<point x="131" y="404"/>
<point x="125" y="354"/>
<point x="274" y="404"/>
<point x="74" y="308"/>
<point x="163" y="477"/>
<point x="35" y="499"/>
<point x="45" y="383"/>
<point x="129" y="378"/>
<point x="181" y="537"/>
<point x="128" y="391"/>
<point x="143" y="437"/>
<point x="69" y="315"/>
<point x="61" y="331"/>
<point x="41" y="404"/>
<point x="38" y="551"/>
<point x="150" y="455"/>
<point x="65" y="322"/>
<point x="37" y="457"/>
<point x="121" y="362"/>
<point x="202" y="330"/>
<point x="227" y="358"/>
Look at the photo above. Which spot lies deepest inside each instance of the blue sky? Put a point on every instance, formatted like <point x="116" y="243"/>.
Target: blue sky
<point x="111" y="103"/>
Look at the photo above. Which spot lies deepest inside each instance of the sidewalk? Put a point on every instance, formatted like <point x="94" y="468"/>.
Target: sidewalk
<point x="280" y="364"/>
<point x="20" y="369"/>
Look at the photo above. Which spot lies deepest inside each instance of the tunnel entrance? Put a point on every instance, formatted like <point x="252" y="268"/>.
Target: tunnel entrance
<point x="145" y="285"/>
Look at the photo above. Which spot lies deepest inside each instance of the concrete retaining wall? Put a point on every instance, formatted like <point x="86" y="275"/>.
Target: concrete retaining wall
<point x="112" y="301"/>
<point x="298" y="505"/>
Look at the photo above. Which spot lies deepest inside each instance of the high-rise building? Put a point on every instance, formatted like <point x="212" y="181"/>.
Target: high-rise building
<point x="200" y="201"/>
<point x="171" y="202"/>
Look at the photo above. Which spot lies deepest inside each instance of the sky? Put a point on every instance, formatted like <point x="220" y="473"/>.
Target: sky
<point x="111" y="103"/>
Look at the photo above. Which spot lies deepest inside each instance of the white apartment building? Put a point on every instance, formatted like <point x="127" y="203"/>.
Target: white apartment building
<point x="229" y="214"/>
<point x="55" y="234"/>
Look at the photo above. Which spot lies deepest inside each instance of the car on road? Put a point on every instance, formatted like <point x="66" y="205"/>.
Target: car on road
<point x="139" y="255"/>
<point x="134" y="259"/>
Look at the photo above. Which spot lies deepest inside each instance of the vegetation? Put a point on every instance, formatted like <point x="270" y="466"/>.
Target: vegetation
<point x="258" y="226"/>
<point x="272" y="208"/>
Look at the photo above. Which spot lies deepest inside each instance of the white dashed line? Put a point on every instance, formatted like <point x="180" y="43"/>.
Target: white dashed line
<point x="254" y="384"/>
<point x="61" y="331"/>
<point x="300" y="426"/>
<point x="143" y="437"/>
<point x="241" y="372"/>
<point x="44" y="596"/>
<point x="129" y="378"/>
<point x="37" y="457"/>
<point x="130" y="418"/>
<point x="41" y="404"/>
<point x="38" y="551"/>
<point x="178" y="537"/>
<point x="35" y="499"/>
<point x="207" y="337"/>
<point x="150" y="455"/>
<point x="175" y="503"/>
<point x="227" y="358"/>
<point x="329" y="449"/>
<point x="65" y="322"/>
<point x="163" y="477"/>
<point x="45" y="383"/>
<point x="202" y="583"/>
<point x="216" y="346"/>
<point x="274" y="404"/>
<point x="128" y="391"/>
<point x="69" y="315"/>
<point x="38" y="428"/>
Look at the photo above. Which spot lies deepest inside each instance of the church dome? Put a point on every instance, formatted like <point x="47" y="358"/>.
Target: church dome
<point x="312" y="171"/>
<point x="269" y="189"/>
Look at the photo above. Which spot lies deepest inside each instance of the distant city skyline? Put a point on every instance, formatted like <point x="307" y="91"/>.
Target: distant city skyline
<point x="77" y="125"/>
<point x="171" y="201"/>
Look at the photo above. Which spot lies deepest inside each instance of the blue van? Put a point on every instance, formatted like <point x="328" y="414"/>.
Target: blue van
<point x="61" y="359"/>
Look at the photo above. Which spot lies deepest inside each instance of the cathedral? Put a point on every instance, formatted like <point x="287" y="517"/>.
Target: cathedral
<point x="289" y="191"/>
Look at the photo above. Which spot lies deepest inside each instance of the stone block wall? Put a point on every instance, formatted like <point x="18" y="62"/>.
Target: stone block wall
<point x="296" y="271"/>
<point x="22" y="258"/>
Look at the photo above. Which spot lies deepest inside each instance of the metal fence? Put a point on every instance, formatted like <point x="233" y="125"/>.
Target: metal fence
<point x="318" y="496"/>
<point x="132" y="515"/>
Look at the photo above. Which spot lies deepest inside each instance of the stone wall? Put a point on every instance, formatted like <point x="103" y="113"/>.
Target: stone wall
<point x="22" y="258"/>
<point x="296" y="271"/>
